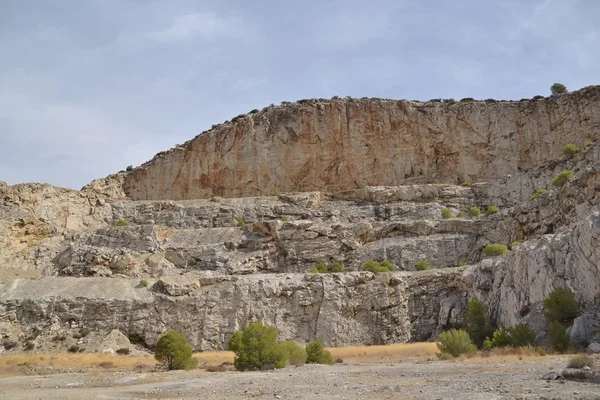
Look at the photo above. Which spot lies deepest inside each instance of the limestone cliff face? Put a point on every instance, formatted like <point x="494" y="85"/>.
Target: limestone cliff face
<point x="333" y="145"/>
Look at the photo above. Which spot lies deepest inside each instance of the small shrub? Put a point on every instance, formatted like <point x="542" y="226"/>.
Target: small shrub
<point x="462" y="263"/>
<point x="123" y="351"/>
<point x="285" y="219"/>
<point x="422" y="266"/>
<point x="570" y="150"/>
<point x="589" y="143"/>
<point x="9" y="344"/>
<point x="173" y="351"/>
<point x="514" y="244"/>
<point x="136" y="338"/>
<point x="466" y="183"/>
<point x="337" y="267"/>
<point x="492" y="210"/>
<point x="474" y="211"/>
<point x="320" y="268"/>
<point x="460" y="214"/>
<point x="580" y="361"/>
<point x="467" y="99"/>
<point x="256" y="348"/>
<point x="122" y="222"/>
<point x="106" y="364"/>
<point x="495" y="249"/>
<point x="74" y="349"/>
<point x="446" y="213"/>
<point x="560" y="305"/>
<point x="522" y="335"/>
<point x="338" y="360"/>
<point x="385" y="264"/>
<point x="562" y="178"/>
<point x="376" y="267"/>
<point x="450" y="101"/>
<point x="561" y="341"/>
<point x="59" y="338"/>
<point x="129" y="168"/>
<point x="454" y="343"/>
<point x="537" y="194"/>
<point x="29" y="346"/>
<point x="294" y="354"/>
<point x="500" y="338"/>
<point x="558" y="88"/>
<point x="240" y="222"/>
<point x="478" y="324"/>
<point x="143" y="283"/>
<point x="316" y="353"/>
<point x="438" y="182"/>
<point x="276" y="192"/>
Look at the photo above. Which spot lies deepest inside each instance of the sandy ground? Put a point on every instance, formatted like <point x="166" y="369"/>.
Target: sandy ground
<point x="414" y="379"/>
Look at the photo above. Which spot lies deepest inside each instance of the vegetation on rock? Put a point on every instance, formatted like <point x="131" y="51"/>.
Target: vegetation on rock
<point x="537" y="194"/>
<point x="495" y="249"/>
<point x="561" y="341"/>
<point x="562" y="178"/>
<point x="422" y="266"/>
<point x="477" y="322"/>
<point x="446" y="213"/>
<point x="560" y="305"/>
<point x="558" y="88"/>
<point x="570" y="150"/>
<point x="492" y="210"/>
<point x="474" y="211"/>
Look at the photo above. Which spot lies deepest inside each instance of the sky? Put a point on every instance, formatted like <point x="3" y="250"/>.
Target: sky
<point x="88" y="87"/>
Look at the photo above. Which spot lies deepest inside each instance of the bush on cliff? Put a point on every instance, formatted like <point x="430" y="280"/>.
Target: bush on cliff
<point x="446" y="213"/>
<point x="558" y="88"/>
<point x="173" y="351"/>
<point x="454" y="343"/>
<point x="560" y="305"/>
<point x="492" y="210"/>
<point x="477" y="322"/>
<point x="474" y="211"/>
<point x="570" y="150"/>
<point x="537" y="194"/>
<point x="495" y="249"/>
<point x="500" y="338"/>
<point x="422" y="266"/>
<point x="376" y="267"/>
<point x="562" y="178"/>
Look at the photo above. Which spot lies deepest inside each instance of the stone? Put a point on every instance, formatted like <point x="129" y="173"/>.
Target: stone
<point x="582" y="331"/>
<point x="593" y="348"/>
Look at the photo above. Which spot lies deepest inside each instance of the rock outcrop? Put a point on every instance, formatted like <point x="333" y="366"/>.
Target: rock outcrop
<point x="153" y="249"/>
<point x="341" y="144"/>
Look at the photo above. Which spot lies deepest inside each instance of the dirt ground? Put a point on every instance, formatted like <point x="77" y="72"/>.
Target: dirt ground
<point x="472" y="379"/>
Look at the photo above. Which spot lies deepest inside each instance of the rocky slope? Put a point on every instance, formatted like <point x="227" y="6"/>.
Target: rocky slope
<point x="72" y="261"/>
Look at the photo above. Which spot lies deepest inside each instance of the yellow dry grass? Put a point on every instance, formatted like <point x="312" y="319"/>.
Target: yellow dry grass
<point x="18" y="363"/>
<point x="387" y="353"/>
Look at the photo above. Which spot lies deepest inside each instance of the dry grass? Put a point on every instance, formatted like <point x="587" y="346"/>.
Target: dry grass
<point x="20" y="363"/>
<point x="388" y="353"/>
<point x="506" y="354"/>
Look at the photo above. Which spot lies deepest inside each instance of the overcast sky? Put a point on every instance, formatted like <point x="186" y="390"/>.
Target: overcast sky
<point x="90" y="87"/>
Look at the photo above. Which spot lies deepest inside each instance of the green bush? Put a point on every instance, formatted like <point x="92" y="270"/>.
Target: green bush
<point x="256" y="348"/>
<point x="337" y="267"/>
<point x="558" y="88"/>
<point x="570" y="150"/>
<point x="385" y="264"/>
<point x="460" y="214"/>
<point x="561" y="341"/>
<point x="474" y="211"/>
<point x="316" y="353"/>
<point x="320" y="268"/>
<point x="477" y="322"/>
<point x="560" y="305"/>
<point x="514" y="244"/>
<point x="276" y="192"/>
<point x="136" y="338"/>
<point x="173" y="351"/>
<point x="492" y="210"/>
<point x="500" y="338"/>
<point x="422" y="266"/>
<point x="562" y="178"/>
<point x="122" y="222"/>
<point x="537" y="194"/>
<point x="446" y="213"/>
<point x="589" y="143"/>
<point x="143" y="283"/>
<point x="495" y="249"/>
<point x="454" y="343"/>
<point x="376" y="267"/>
<point x="285" y="218"/>
<point x="522" y="335"/>
<point x="294" y="354"/>
<point x="240" y="222"/>
<point x="438" y="182"/>
<point x="466" y="183"/>
<point x="463" y="263"/>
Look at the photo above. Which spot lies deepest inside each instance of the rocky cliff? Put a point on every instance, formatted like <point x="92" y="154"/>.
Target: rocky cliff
<point x="153" y="249"/>
<point x="342" y="144"/>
